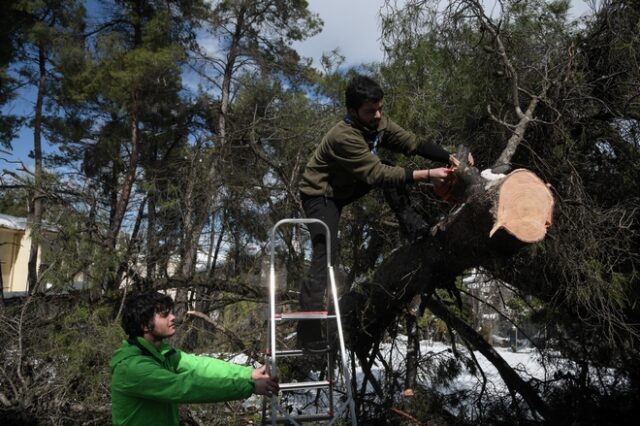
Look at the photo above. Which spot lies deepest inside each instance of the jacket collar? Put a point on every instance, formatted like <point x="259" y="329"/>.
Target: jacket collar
<point x="144" y="345"/>
<point x="355" y="123"/>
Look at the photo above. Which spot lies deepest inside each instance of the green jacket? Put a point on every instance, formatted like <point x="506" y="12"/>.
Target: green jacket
<point x="148" y="384"/>
<point x="347" y="154"/>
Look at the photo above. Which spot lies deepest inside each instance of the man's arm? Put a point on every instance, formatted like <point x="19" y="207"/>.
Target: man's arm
<point x="398" y="139"/>
<point x="198" y="379"/>
<point x="434" y="152"/>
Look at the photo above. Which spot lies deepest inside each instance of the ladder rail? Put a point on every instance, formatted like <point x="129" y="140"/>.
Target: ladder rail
<point x="281" y="222"/>
<point x="273" y="319"/>
<point x="343" y="350"/>
<point x="272" y="275"/>
<point x="272" y="332"/>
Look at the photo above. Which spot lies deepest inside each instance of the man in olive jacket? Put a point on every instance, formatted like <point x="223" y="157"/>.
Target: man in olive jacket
<point x="149" y="378"/>
<point x="343" y="168"/>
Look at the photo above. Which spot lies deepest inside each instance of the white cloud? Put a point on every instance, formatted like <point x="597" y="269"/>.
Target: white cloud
<point x="583" y="8"/>
<point x="352" y="26"/>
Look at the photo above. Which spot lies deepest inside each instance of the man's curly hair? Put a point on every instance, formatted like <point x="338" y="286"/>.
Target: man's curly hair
<point x="140" y="309"/>
<point x="361" y="89"/>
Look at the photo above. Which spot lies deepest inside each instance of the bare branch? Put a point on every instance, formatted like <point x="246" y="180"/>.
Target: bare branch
<point x="235" y="339"/>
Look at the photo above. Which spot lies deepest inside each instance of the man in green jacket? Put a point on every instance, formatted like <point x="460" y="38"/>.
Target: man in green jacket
<point x="343" y="168"/>
<point x="149" y="378"/>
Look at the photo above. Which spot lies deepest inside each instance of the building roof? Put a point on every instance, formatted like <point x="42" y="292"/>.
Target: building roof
<point x="13" y="222"/>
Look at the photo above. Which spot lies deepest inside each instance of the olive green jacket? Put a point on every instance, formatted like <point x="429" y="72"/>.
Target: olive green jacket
<point x="347" y="154"/>
<point x="148" y="384"/>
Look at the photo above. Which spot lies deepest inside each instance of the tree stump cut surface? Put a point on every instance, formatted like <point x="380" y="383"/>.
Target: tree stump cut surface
<point x="524" y="206"/>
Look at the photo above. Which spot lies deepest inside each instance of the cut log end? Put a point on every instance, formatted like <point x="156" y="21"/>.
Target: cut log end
<point x="524" y="207"/>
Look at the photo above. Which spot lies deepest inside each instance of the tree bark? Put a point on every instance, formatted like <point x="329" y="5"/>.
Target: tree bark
<point x="36" y="205"/>
<point x="127" y="185"/>
<point x="227" y="76"/>
<point x="413" y="352"/>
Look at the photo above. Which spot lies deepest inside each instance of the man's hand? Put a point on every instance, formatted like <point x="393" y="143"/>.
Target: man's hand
<point x="436" y="176"/>
<point x="264" y="384"/>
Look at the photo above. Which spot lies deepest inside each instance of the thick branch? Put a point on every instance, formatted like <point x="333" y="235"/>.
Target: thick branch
<point x="518" y="134"/>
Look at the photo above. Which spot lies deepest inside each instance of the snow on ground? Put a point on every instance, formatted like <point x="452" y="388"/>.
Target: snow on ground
<point x="526" y="362"/>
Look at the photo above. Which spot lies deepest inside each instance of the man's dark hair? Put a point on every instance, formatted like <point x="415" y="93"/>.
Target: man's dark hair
<point x="140" y="308"/>
<point x="362" y="89"/>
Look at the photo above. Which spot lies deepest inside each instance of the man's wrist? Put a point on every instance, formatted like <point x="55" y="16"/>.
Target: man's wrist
<point x="409" y="176"/>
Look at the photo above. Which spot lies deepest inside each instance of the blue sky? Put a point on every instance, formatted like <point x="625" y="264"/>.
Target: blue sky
<point x="351" y="26"/>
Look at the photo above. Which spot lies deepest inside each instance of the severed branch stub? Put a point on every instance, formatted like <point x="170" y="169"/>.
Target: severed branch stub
<point x="523" y="206"/>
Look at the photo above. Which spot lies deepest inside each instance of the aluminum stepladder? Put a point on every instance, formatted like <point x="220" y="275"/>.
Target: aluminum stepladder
<point x="278" y="413"/>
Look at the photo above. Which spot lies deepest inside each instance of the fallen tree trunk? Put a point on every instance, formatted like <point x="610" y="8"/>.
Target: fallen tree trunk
<point x="496" y="219"/>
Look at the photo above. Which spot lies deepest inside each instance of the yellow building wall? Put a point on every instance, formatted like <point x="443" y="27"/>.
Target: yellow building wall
<point x="15" y="247"/>
<point x="14" y="258"/>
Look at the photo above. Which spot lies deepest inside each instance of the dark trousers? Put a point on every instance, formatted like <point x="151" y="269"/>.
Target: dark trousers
<point x="314" y="285"/>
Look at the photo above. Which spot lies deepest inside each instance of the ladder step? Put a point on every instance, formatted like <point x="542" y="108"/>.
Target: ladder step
<point x="297" y="352"/>
<point x="288" y="352"/>
<point x="303" y="315"/>
<point x="302" y="418"/>
<point x="304" y="385"/>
